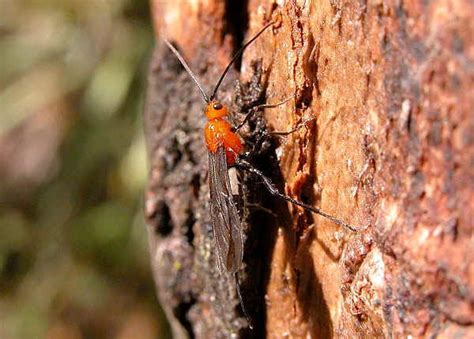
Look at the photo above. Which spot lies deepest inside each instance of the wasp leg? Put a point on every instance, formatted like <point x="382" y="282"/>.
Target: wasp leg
<point x="293" y="130"/>
<point x="257" y="108"/>
<point x="274" y="191"/>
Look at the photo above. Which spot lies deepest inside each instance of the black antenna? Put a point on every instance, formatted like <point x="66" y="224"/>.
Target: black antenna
<point x="186" y="67"/>
<point x="236" y="56"/>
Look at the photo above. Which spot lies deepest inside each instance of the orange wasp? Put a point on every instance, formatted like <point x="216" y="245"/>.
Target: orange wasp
<point x="225" y="149"/>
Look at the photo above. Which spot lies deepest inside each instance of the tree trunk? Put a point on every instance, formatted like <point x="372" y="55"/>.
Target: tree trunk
<point x="390" y="149"/>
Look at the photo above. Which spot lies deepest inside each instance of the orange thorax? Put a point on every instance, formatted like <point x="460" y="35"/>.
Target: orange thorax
<point x="217" y="133"/>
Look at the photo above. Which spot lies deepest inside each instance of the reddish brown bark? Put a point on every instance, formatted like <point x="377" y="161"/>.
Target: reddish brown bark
<point x="391" y="151"/>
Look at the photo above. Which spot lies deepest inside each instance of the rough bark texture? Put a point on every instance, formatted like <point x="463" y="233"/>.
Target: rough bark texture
<point x="391" y="150"/>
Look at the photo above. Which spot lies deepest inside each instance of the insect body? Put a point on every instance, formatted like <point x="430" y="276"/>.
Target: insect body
<point x="224" y="146"/>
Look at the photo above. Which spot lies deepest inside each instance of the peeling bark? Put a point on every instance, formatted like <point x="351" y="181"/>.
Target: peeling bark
<point x="391" y="149"/>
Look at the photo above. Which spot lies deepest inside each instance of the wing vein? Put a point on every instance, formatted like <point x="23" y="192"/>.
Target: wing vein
<point x="226" y="224"/>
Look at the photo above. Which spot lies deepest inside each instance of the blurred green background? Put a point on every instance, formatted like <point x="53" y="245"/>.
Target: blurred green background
<point x="73" y="248"/>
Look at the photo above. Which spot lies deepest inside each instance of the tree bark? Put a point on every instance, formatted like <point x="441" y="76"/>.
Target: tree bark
<point x="389" y="86"/>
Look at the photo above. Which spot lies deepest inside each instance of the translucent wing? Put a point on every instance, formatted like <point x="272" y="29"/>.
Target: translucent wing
<point x="225" y="218"/>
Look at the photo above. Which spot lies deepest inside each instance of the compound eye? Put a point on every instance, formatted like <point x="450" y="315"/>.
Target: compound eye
<point x="217" y="106"/>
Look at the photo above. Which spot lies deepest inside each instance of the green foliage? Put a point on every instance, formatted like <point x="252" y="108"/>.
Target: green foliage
<point x="73" y="249"/>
